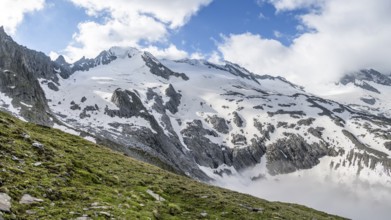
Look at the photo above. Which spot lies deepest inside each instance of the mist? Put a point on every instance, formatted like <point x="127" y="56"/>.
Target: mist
<point x="354" y="199"/>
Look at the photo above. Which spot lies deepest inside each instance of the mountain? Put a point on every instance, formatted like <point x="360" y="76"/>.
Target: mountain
<point x="48" y="174"/>
<point x="366" y="91"/>
<point x="20" y="69"/>
<point x="203" y="120"/>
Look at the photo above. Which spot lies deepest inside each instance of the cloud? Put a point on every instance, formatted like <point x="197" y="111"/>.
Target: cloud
<point x="324" y="191"/>
<point x="286" y="5"/>
<point x="127" y="31"/>
<point x="343" y="36"/>
<point x="254" y="52"/>
<point x="262" y="16"/>
<point x="53" y="55"/>
<point x="128" y="22"/>
<point x="171" y="52"/>
<point x="215" y="57"/>
<point x="12" y="12"/>
<point x="197" y="56"/>
<point x="277" y="34"/>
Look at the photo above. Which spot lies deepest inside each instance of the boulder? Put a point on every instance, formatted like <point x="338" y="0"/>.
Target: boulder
<point x="5" y="202"/>
<point x="28" y="199"/>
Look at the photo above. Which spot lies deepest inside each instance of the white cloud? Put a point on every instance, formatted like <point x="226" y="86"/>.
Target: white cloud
<point x="347" y="36"/>
<point x="197" y="56"/>
<point x="173" y="12"/>
<point x="12" y="12"/>
<point x="262" y="16"/>
<point x="215" y="57"/>
<point x="254" y="52"/>
<point x="352" y="198"/>
<point x="285" y="5"/>
<point x="94" y="37"/>
<point x="127" y="22"/>
<point x="53" y="55"/>
<point x="277" y="34"/>
<point x="171" y="52"/>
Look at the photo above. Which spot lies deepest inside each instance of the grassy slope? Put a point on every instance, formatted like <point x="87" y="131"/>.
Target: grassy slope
<point x="76" y="173"/>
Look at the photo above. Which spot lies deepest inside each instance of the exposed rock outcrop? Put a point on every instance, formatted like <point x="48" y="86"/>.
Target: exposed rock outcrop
<point x="20" y="69"/>
<point x="369" y="101"/>
<point x="237" y="119"/>
<point x="175" y="99"/>
<point x="128" y="102"/>
<point x="213" y="155"/>
<point x="367" y="75"/>
<point x="293" y="153"/>
<point x="159" y="69"/>
<point x="218" y="123"/>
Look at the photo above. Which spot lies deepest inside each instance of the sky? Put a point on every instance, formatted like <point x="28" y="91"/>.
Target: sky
<point x="306" y="41"/>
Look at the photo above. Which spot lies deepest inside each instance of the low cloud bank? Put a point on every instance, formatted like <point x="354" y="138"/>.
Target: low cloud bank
<point x="353" y="198"/>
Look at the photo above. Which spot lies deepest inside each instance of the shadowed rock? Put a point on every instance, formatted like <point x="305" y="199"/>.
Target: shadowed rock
<point x="175" y="99"/>
<point x="218" y="123"/>
<point x="159" y="69"/>
<point x="237" y="119"/>
<point x="293" y="153"/>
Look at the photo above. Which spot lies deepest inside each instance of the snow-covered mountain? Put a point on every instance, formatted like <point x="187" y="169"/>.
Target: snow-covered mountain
<point x="366" y="90"/>
<point x="207" y="121"/>
<point x="202" y="118"/>
<point x="198" y="116"/>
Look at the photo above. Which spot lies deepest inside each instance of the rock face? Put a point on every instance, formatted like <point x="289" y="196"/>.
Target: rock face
<point x="128" y="102"/>
<point x="293" y="153"/>
<point x="5" y="202"/>
<point x="104" y="58"/>
<point x="20" y="69"/>
<point x="159" y="69"/>
<point x="237" y="119"/>
<point x="209" y="154"/>
<point x="364" y="77"/>
<point x="204" y="151"/>
<point x="367" y="75"/>
<point x="175" y="99"/>
<point x="218" y="123"/>
<point x="234" y="69"/>
<point x="370" y="101"/>
<point x="155" y="142"/>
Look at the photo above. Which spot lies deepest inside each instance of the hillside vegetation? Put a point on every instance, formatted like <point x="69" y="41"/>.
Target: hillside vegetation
<point x="68" y="177"/>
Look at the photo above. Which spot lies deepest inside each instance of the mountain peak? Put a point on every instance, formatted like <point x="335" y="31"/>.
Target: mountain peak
<point x="369" y="75"/>
<point x="61" y="60"/>
<point x="123" y="52"/>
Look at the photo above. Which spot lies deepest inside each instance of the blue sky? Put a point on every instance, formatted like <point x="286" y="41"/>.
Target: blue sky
<point x="52" y="28"/>
<point x="305" y="41"/>
<point x="224" y="17"/>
